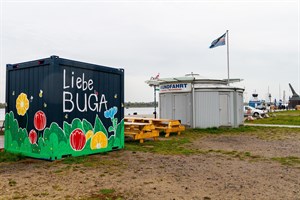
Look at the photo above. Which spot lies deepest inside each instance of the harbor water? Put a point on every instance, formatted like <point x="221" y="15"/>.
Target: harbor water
<point x="139" y="111"/>
<point x="128" y="111"/>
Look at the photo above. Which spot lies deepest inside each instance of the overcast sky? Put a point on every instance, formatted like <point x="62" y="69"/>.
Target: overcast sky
<point x="167" y="37"/>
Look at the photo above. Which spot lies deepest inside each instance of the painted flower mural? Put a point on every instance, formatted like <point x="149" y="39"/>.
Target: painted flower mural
<point x="111" y="112"/>
<point x="89" y="134"/>
<point x="32" y="137"/>
<point x="22" y="104"/>
<point x="40" y="120"/>
<point x="99" y="140"/>
<point x="77" y="139"/>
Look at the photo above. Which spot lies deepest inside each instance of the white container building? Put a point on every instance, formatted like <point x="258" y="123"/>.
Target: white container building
<point x="200" y="102"/>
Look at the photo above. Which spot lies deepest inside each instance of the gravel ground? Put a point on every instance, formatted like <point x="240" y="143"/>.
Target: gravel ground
<point x="140" y="175"/>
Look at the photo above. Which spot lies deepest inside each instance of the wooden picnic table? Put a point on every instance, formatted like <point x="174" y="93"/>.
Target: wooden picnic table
<point x="166" y="125"/>
<point x="140" y="131"/>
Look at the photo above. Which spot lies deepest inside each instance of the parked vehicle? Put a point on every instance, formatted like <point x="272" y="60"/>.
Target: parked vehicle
<point x="249" y="110"/>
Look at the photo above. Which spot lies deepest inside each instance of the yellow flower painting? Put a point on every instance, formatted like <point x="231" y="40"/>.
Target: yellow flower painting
<point x="22" y="104"/>
<point x="99" y="141"/>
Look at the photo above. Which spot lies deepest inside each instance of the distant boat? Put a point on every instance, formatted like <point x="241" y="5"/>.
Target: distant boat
<point x="255" y="102"/>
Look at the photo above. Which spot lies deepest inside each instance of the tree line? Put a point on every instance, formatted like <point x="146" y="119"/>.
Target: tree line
<point x="139" y="104"/>
<point x="127" y="104"/>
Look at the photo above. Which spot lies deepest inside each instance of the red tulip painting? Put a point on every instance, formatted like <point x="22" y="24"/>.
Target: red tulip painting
<point x="32" y="136"/>
<point x="40" y="120"/>
<point x="77" y="139"/>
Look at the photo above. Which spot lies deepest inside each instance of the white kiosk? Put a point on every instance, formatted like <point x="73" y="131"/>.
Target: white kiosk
<point x="201" y="102"/>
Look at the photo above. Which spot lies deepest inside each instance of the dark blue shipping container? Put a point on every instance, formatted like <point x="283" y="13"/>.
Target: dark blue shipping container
<point x="58" y="107"/>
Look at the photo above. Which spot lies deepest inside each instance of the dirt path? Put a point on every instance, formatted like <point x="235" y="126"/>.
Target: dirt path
<point x="138" y="175"/>
<point x="264" y="148"/>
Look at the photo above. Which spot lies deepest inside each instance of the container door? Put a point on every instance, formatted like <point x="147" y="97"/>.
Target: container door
<point x="206" y="109"/>
<point x="224" y="109"/>
<point x="182" y="106"/>
<point x="165" y="106"/>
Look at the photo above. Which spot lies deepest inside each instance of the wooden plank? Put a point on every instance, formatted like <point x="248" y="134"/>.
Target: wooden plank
<point x="136" y="123"/>
<point x="151" y="134"/>
<point x="130" y="133"/>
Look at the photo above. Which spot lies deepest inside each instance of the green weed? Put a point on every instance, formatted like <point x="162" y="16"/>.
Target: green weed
<point x="291" y="117"/>
<point x="10" y="157"/>
<point x="12" y="182"/>
<point x="107" y="194"/>
<point x="174" y="146"/>
<point x="107" y="191"/>
<point x="57" y="187"/>
<point x="58" y="171"/>
<point x="290" y="160"/>
<point x="75" y="160"/>
<point x="20" y="197"/>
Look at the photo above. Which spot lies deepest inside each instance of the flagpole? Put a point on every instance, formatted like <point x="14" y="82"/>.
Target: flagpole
<point x="227" y="57"/>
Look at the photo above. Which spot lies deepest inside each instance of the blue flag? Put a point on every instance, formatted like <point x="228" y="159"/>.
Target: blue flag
<point x="218" y="42"/>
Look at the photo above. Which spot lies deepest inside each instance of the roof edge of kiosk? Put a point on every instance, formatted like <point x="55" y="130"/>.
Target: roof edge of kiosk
<point x="196" y="79"/>
<point x="63" y="62"/>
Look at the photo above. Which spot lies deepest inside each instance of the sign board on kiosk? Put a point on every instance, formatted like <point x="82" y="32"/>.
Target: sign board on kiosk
<point x="175" y="87"/>
<point x="58" y="107"/>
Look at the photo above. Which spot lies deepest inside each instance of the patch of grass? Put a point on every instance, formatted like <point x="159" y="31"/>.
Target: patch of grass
<point x="216" y="131"/>
<point x="58" y="171"/>
<point x="290" y="160"/>
<point x="10" y="157"/>
<point x="235" y="154"/>
<point x="173" y="146"/>
<point x="276" y="133"/>
<point x="98" y="162"/>
<point x="20" y="197"/>
<point x="291" y="117"/>
<point x="107" y="194"/>
<point x="107" y="191"/>
<point x="44" y="193"/>
<point x="90" y="161"/>
<point x="89" y="164"/>
<point x="57" y="187"/>
<point x="264" y="133"/>
<point x="12" y="182"/>
<point x="112" y="162"/>
<point x="178" y="145"/>
<point x="75" y="160"/>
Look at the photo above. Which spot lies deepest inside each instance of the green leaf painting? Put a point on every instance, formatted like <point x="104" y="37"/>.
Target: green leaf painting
<point x="67" y="129"/>
<point x="76" y="123"/>
<point x="87" y="126"/>
<point x="99" y="126"/>
<point x="54" y="141"/>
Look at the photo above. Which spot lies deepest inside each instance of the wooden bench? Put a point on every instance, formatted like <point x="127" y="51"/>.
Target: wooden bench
<point x="140" y="131"/>
<point x="166" y="125"/>
<point x="138" y="120"/>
